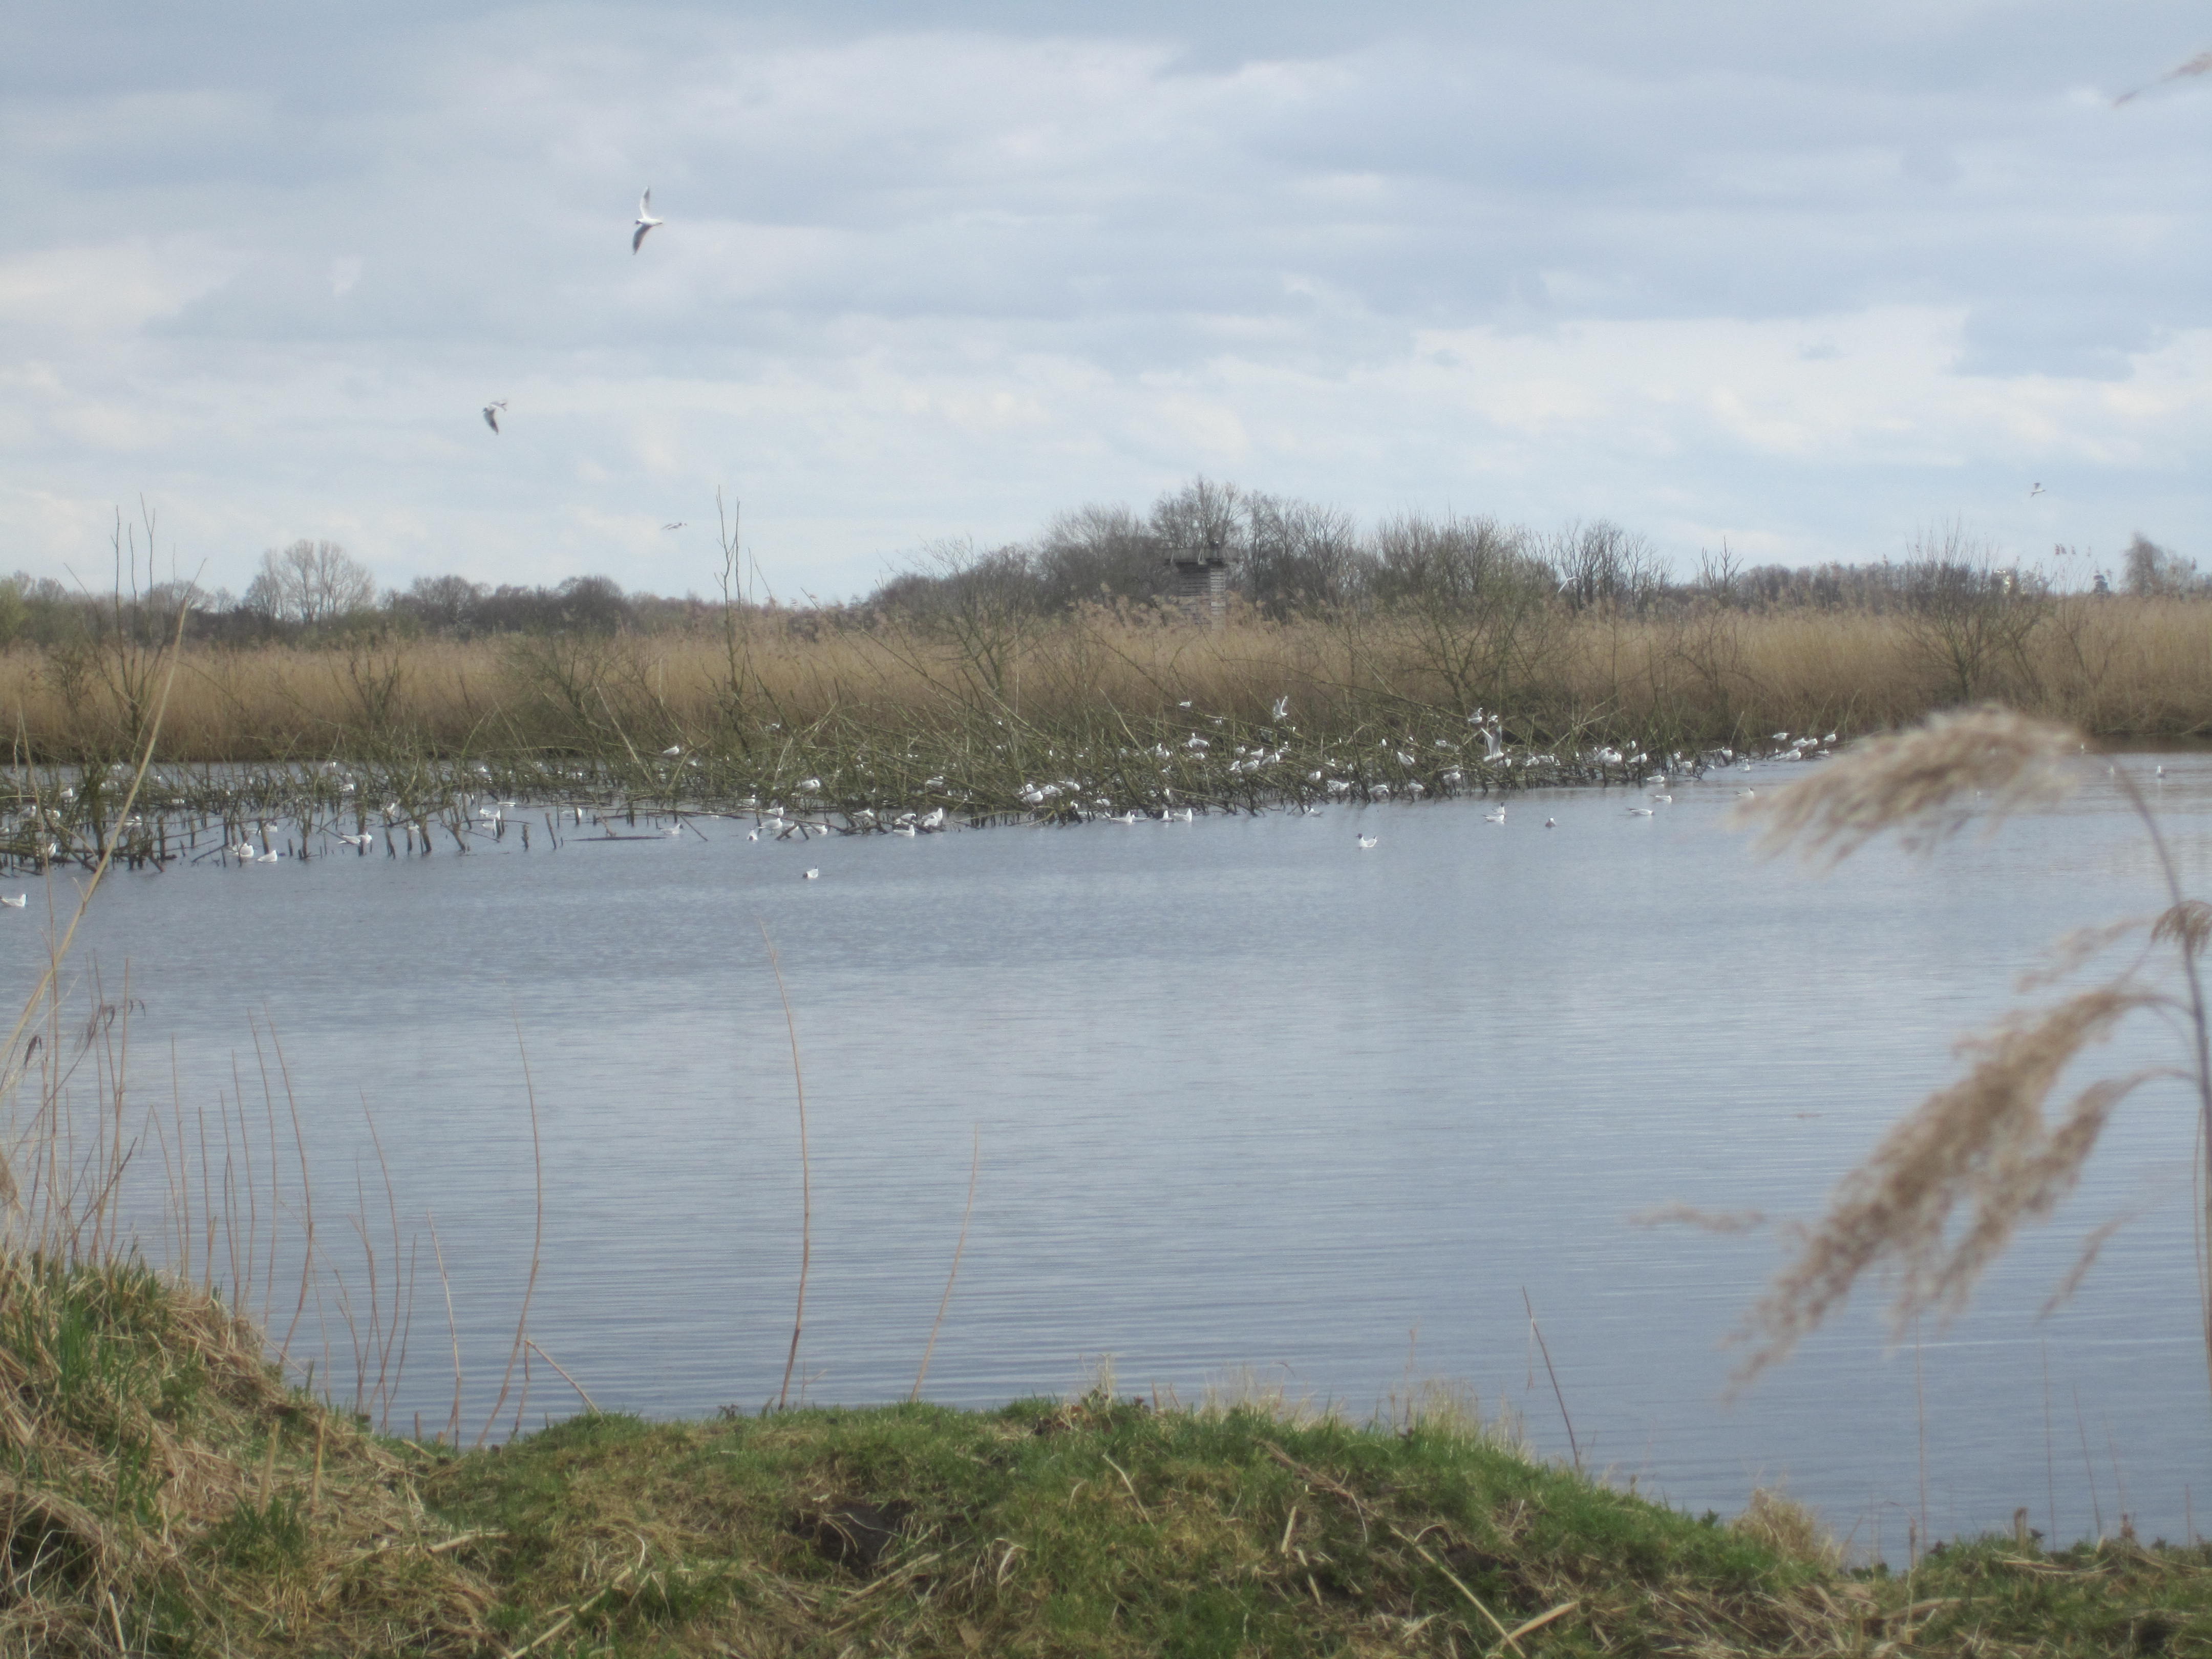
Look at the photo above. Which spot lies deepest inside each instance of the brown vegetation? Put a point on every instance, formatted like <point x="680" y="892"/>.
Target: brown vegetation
<point x="1944" y="1191"/>
<point x="2109" y="665"/>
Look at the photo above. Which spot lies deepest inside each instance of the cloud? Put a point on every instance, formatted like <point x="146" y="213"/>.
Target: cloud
<point x="1805" y="282"/>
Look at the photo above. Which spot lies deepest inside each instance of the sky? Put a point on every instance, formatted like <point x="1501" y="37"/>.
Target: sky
<point x="1804" y="283"/>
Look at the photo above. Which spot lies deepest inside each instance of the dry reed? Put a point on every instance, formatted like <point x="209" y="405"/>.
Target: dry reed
<point x="2106" y="665"/>
<point x="1946" y="1188"/>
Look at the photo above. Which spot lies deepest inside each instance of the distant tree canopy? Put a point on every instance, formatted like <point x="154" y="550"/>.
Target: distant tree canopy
<point x="1285" y="557"/>
<point x="1280" y="555"/>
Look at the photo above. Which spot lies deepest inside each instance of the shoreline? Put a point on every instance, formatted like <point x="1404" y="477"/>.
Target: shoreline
<point x="168" y="1492"/>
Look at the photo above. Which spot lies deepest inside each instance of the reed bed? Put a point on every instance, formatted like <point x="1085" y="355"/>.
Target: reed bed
<point x="872" y="726"/>
<point x="1716" y="677"/>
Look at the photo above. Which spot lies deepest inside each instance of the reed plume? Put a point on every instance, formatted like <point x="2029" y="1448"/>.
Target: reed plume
<point x="1945" y="1191"/>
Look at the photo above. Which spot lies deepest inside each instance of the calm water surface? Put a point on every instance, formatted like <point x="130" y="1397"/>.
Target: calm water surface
<point x="1246" y="1096"/>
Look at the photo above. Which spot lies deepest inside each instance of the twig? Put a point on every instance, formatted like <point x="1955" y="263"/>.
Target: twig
<point x="975" y="1164"/>
<point x="1541" y="1619"/>
<point x="1537" y="1331"/>
<point x="537" y="1238"/>
<point x="1473" y="1600"/>
<point x="1146" y="1514"/>
<point x="452" y="1330"/>
<point x="805" y="1172"/>
<point x="590" y="1405"/>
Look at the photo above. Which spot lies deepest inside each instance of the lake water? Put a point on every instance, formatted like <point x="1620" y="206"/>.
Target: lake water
<point x="1247" y="1096"/>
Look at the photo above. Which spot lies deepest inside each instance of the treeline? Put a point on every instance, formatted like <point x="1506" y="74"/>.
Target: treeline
<point x="1272" y="557"/>
<point x="1285" y="558"/>
<point x="316" y="593"/>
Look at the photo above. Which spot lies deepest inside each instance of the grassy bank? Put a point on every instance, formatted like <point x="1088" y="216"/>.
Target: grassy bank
<point x="164" y="1492"/>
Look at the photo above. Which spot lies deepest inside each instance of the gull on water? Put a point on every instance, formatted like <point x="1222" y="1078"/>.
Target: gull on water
<point x="1551" y="823"/>
<point x="1366" y="843"/>
<point x="21" y="902"/>
<point x="491" y="412"/>
<point x="645" y="220"/>
<point x="1639" y="811"/>
<point x="1496" y="815"/>
<point x="813" y="875"/>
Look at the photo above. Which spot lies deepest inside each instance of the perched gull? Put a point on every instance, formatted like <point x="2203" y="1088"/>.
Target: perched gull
<point x="673" y="750"/>
<point x="645" y="220"/>
<point x="491" y="412"/>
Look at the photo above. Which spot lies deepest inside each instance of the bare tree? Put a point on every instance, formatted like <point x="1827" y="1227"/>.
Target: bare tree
<point x="1098" y="553"/>
<point x="1202" y="520"/>
<point x="310" y="583"/>
<point x="1300" y="556"/>
<point x="2155" y="573"/>
<point x="1602" y="564"/>
<point x="1470" y="596"/>
<point x="1967" y="618"/>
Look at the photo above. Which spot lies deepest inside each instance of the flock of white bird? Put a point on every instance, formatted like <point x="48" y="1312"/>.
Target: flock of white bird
<point x="1795" y="749"/>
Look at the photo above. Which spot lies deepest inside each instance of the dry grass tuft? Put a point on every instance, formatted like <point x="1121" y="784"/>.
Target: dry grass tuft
<point x="1779" y="1522"/>
<point x="1924" y="784"/>
<point x="160" y="1486"/>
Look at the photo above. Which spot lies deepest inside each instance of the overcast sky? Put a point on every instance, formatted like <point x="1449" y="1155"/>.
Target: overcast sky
<point x="1803" y="280"/>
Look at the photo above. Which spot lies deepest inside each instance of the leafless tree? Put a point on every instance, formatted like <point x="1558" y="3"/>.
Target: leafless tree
<point x="311" y="582"/>
<point x="1602" y="564"/>
<point x="2156" y="573"/>
<point x="1300" y="556"/>
<point x="1470" y="596"/>
<point x="1968" y="617"/>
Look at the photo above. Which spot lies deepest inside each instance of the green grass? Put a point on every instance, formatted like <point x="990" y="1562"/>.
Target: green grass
<point x="159" y="1485"/>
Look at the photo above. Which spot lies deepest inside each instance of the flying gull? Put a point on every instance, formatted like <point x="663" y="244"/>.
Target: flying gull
<point x="2200" y="64"/>
<point x="645" y="220"/>
<point x="491" y="412"/>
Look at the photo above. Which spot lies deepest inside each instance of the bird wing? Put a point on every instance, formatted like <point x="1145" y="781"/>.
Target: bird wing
<point x="2200" y="64"/>
<point x="645" y="204"/>
<point x="491" y="418"/>
<point x="636" y="240"/>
